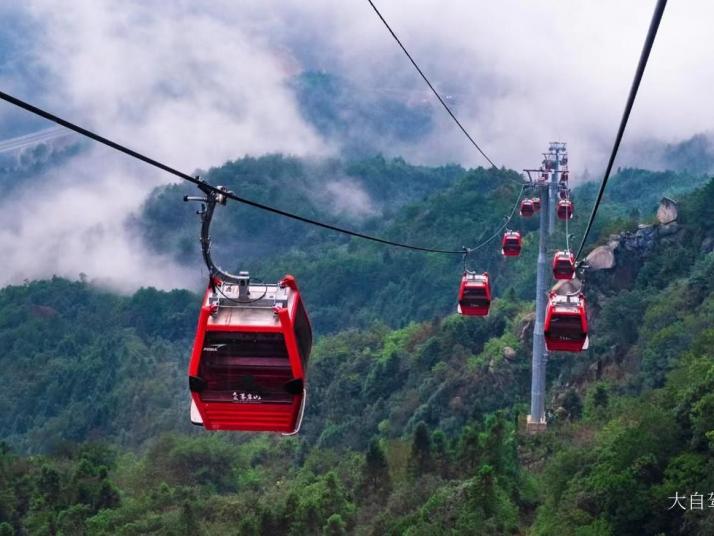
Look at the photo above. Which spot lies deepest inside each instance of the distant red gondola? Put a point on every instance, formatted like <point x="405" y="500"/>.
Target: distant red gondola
<point x="527" y="210"/>
<point x="565" y="209"/>
<point x="511" y="244"/>
<point x="474" y="294"/>
<point x="249" y="360"/>
<point x="566" y="324"/>
<point x="563" y="265"/>
<point x="564" y="176"/>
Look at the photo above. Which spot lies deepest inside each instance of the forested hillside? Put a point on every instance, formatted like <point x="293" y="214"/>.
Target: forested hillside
<point x="361" y="194"/>
<point x="415" y="430"/>
<point x="350" y="283"/>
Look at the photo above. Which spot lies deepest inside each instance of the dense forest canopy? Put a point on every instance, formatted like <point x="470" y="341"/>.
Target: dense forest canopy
<point x="415" y="416"/>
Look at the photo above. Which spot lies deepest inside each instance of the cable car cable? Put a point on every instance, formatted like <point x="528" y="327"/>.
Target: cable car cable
<point x="428" y="83"/>
<point x="503" y="226"/>
<point x="644" y="56"/>
<point x="200" y="182"/>
<point x="567" y="237"/>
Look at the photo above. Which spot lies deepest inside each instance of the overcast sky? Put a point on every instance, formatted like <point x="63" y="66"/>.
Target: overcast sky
<point x="197" y="83"/>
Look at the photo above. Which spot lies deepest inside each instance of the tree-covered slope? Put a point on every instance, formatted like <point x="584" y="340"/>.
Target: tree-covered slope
<point x="80" y="364"/>
<point x="358" y="194"/>
<point x="636" y="193"/>
<point x="352" y="283"/>
<point x="416" y="430"/>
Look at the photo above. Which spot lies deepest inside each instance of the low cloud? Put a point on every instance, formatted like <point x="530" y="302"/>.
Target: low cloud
<point x="346" y="196"/>
<point x="75" y="224"/>
<point x="185" y="87"/>
<point x="523" y="73"/>
<point x="196" y="84"/>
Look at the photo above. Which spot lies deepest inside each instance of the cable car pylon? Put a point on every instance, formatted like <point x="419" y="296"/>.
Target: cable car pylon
<point x="536" y="421"/>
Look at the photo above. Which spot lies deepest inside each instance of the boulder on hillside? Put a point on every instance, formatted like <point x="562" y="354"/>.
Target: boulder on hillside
<point x="509" y="353"/>
<point x="667" y="211"/>
<point x="568" y="286"/>
<point x="602" y="257"/>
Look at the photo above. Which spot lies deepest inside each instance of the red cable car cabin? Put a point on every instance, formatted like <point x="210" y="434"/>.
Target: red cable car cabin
<point x="565" y="209"/>
<point x="563" y="265"/>
<point x="511" y="244"/>
<point x="536" y="203"/>
<point x="247" y="369"/>
<point x="527" y="209"/>
<point x="566" y="324"/>
<point x="564" y="176"/>
<point x="474" y="294"/>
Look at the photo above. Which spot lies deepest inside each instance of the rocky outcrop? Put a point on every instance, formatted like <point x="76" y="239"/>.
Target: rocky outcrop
<point x="602" y="257"/>
<point x="642" y="240"/>
<point x="563" y="287"/>
<point x="614" y="266"/>
<point x="667" y="211"/>
<point x="525" y="328"/>
<point x="509" y="353"/>
<point x="639" y="243"/>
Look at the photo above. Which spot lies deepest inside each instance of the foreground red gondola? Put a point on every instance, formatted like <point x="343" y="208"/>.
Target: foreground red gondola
<point x="566" y="323"/>
<point x="474" y="294"/>
<point x="565" y="209"/>
<point x="511" y="244"/>
<point x="563" y="265"/>
<point x="527" y="210"/>
<point x="247" y="369"/>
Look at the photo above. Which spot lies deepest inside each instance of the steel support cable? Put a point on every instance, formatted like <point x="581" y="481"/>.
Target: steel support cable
<point x="200" y="182"/>
<point x="644" y="57"/>
<point x="230" y="195"/>
<point x="502" y="227"/>
<point x="428" y="83"/>
<point x="567" y="236"/>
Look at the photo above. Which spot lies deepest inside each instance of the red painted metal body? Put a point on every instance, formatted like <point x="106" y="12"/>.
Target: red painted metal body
<point x="511" y="244"/>
<point x="474" y="294"/>
<point x="566" y="323"/>
<point x="565" y="209"/>
<point x="527" y="210"/>
<point x="563" y="265"/>
<point x="247" y="369"/>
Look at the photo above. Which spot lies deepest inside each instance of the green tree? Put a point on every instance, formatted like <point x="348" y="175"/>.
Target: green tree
<point x="421" y="459"/>
<point x="108" y="496"/>
<point x="49" y="485"/>
<point x="71" y="522"/>
<point x="469" y="450"/>
<point x="376" y="482"/>
<point x="572" y="404"/>
<point x="188" y="522"/>
<point x="335" y="526"/>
